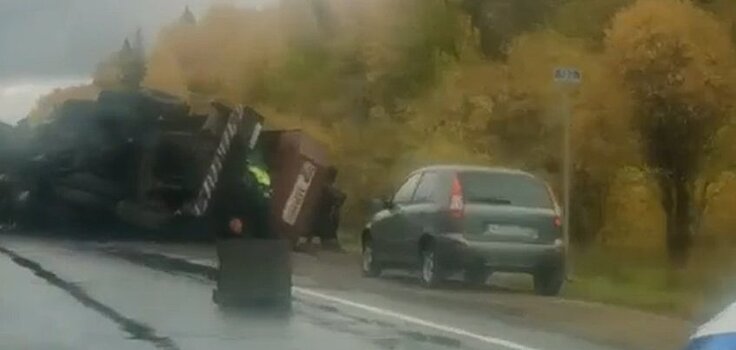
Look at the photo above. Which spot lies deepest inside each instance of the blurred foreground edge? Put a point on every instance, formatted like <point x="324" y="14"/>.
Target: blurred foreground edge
<point x="719" y="333"/>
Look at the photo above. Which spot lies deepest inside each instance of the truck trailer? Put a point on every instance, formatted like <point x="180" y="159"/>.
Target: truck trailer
<point x="142" y="161"/>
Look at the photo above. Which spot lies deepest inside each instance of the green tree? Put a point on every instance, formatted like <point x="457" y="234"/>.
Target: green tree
<point x="499" y="21"/>
<point x="187" y="17"/>
<point x="132" y="62"/>
<point x="586" y="19"/>
<point x="126" y="68"/>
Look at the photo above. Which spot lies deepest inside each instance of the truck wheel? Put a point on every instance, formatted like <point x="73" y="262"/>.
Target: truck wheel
<point x="548" y="281"/>
<point x="282" y="305"/>
<point x="370" y="266"/>
<point x="431" y="271"/>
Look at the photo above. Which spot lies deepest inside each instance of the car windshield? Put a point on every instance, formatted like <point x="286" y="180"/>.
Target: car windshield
<point x="504" y="189"/>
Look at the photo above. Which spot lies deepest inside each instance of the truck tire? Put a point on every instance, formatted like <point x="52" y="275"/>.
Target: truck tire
<point x="253" y="273"/>
<point x="278" y="304"/>
<point x="476" y="276"/>
<point x="548" y="280"/>
<point x="281" y="304"/>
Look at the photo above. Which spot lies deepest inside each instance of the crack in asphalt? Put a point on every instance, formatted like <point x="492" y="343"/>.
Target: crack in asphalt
<point x="136" y="329"/>
<point x="164" y="263"/>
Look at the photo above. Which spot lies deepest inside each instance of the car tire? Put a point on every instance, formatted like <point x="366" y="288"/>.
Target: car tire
<point x="430" y="271"/>
<point x="548" y="281"/>
<point x="474" y="276"/>
<point x="369" y="265"/>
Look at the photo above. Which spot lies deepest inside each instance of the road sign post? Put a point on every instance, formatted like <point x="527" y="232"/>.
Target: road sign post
<point x="566" y="78"/>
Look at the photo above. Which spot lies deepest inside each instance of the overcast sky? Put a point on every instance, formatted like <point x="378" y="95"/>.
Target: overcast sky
<point x="53" y="43"/>
<point x="67" y="37"/>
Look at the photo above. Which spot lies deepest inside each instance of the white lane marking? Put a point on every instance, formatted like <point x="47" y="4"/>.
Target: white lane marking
<point x="414" y="320"/>
<point x="404" y="318"/>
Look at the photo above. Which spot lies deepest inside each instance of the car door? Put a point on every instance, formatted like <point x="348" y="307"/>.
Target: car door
<point x="419" y="217"/>
<point x="386" y="233"/>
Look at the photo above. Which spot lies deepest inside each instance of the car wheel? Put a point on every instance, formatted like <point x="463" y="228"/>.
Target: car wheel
<point x="370" y="267"/>
<point x="548" y="281"/>
<point x="430" y="273"/>
<point x="475" y="276"/>
<point x="216" y="297"/>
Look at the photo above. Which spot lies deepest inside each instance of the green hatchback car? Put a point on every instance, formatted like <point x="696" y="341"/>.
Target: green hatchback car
<point x="476" y="220"/>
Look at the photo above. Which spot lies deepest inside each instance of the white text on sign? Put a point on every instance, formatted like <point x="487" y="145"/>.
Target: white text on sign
<point x="568" y="75"/>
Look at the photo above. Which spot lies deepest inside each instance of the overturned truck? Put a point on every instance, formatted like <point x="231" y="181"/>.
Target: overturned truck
<point x="143" y="159"/>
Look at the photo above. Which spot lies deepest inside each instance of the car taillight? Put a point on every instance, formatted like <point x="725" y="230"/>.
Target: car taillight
<point x="558" y="222"/>
<point x="457" y="204"/>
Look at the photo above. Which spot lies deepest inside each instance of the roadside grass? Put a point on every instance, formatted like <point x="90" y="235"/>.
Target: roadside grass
<point x="638" y="289"/>
<point x="646" y="282"/>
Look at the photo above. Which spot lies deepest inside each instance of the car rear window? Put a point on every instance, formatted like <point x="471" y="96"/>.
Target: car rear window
<point x="504" y="189"/>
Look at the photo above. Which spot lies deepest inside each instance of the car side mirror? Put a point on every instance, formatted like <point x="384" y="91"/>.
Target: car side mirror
<point x="387" y="203"/>
<point x="378" y="204"/>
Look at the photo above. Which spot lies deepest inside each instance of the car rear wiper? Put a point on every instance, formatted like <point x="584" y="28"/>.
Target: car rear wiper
<point x="490" y="200"/>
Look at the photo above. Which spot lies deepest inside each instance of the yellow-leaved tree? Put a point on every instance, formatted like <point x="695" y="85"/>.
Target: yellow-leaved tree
<point x="676" y="61"/>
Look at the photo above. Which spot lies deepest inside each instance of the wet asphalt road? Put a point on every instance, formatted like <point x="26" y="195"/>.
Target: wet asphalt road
<point x="63" y="294"/>
<point x="36" y="315"/>
<point x="177" y="309"/>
